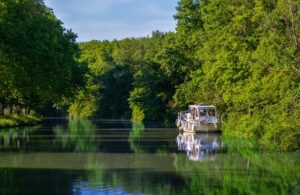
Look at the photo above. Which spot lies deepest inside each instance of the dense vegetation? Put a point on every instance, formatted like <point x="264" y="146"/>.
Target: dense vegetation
<point x="242" y="56"/>
<point x="38" y="64"/>
<point x="123" y="76"/>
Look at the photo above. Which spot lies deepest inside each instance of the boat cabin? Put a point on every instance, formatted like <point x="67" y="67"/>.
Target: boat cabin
<point x="202" y="110"/>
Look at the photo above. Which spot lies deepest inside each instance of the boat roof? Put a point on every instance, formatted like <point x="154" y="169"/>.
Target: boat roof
<point x="202" y="106"/>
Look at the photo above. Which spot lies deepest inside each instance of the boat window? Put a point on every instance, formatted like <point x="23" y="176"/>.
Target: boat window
<point x="211" y="112"/>
<point x="202" y="112"/>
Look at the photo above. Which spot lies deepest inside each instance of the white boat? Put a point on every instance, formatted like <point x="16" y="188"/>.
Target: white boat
<point x="199" y="118"/>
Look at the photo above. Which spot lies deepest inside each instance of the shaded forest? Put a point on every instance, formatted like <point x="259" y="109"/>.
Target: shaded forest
<point x="242" y="56"/>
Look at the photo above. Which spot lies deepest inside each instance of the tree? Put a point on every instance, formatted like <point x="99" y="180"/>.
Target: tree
<point x="37" y="55"/>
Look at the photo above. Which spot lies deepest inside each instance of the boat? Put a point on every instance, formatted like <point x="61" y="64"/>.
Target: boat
<point x="199" y="118"/>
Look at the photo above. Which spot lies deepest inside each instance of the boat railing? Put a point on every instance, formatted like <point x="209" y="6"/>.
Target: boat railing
<point x="183" y="114"/>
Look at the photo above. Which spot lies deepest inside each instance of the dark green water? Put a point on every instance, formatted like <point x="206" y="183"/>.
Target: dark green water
<point x="113" y="157"/>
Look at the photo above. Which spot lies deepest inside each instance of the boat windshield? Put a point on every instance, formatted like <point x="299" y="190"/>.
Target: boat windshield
<point x="211" y="112"/>
<point x="202" y="111"/>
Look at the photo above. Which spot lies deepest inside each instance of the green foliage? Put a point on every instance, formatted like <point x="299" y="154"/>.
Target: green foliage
<point x="82" y="109"/>
<point x="137" y="113"/>
<point x="242" y="56"/>
<point x="188" y="15"/>
<point x="108" y="83"/>
<point x="124" y="80"/>
<point x="150" y="93"/>
<point x="37" y="56"/>
<point x="250" y="70"/>
<point x="17" y="120"/>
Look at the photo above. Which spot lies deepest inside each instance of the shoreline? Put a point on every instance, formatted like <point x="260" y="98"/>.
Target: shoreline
<point x="8" y="121"/>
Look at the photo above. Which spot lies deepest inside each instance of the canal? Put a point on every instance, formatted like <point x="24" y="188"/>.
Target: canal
<point x="118" y="157"/>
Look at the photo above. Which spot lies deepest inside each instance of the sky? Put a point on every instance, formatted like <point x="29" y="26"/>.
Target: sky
<point x="114" y="19"/>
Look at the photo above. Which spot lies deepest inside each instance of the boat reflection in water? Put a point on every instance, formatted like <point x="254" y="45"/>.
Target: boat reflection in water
<point x="199" y="147"/>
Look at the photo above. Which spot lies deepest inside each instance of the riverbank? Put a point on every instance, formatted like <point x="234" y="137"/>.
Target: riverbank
<point x="18" y="120"/>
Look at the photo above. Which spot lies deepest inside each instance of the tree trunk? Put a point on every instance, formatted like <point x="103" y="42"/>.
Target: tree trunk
<point x="27" y="110"/>
<point x="18" y="109"/>
<point x="24" y="110"/>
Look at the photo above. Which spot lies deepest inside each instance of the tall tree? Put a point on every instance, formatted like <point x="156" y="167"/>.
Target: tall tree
<point x="37" y="54"/>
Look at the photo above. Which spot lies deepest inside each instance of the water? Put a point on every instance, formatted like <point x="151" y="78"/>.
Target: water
<point x="115" y="157"/>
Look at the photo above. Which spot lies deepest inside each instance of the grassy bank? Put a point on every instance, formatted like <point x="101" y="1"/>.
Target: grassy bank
<point x="18" y="120"/>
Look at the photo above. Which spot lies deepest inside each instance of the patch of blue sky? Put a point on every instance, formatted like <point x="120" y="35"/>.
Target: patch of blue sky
<point x="114" y="19"/>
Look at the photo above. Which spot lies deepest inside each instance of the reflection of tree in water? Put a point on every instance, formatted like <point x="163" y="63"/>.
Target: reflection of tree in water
<point x="99" y="176"/>
<point x="135" y="135"/>
<point x="137" y="130"/>
<point x="241" y="170"/>
<point x="17" y="137"/>
<point x="79" y="136"/>
<point x="94" y="172"/>
<point x="150" y="141"/>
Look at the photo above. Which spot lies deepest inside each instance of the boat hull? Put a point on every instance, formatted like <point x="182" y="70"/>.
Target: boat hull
<point x="192" y="127"/>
